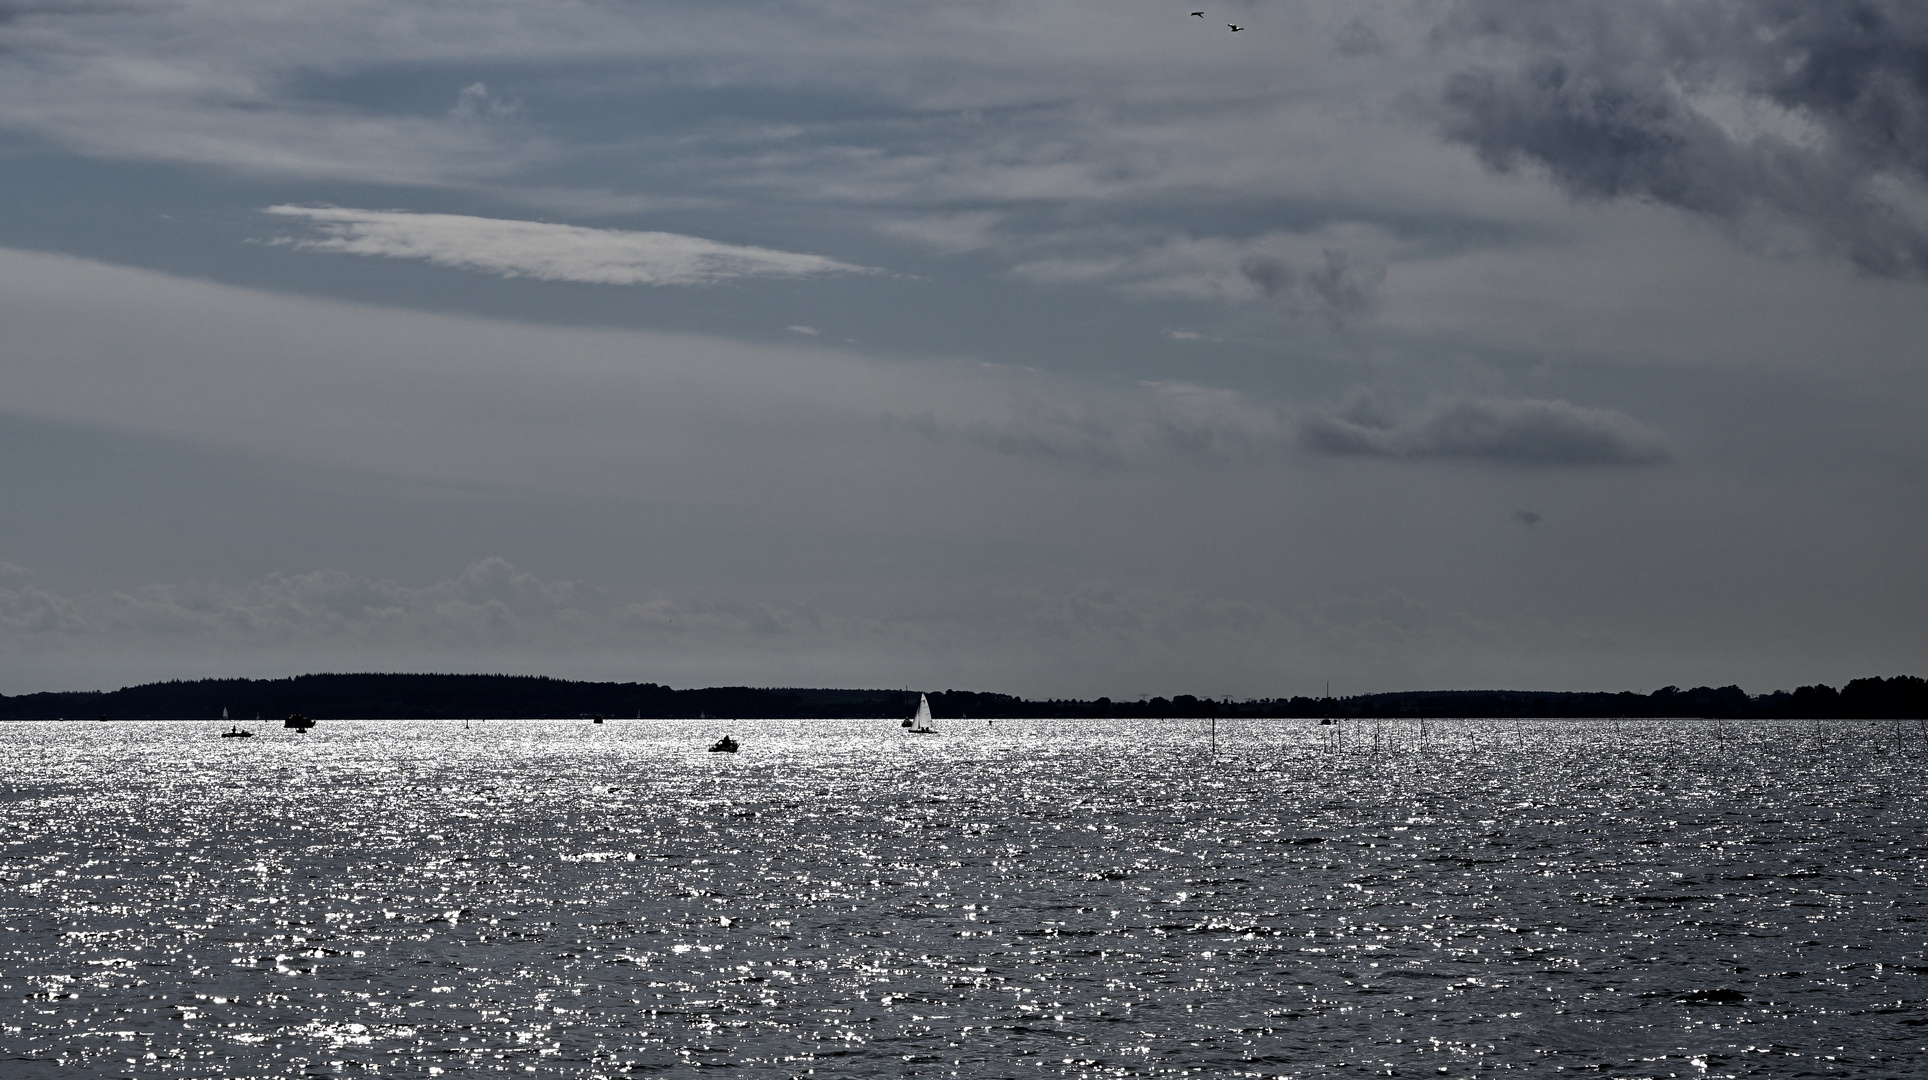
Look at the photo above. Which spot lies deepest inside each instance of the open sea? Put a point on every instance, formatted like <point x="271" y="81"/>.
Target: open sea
<point x="1018" y="899"/>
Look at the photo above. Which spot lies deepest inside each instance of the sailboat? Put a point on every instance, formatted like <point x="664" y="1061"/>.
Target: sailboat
<point x="921" y="723"/>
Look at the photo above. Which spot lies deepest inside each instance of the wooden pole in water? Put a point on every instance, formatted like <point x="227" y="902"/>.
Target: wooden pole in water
<point x="1214" y="736"/>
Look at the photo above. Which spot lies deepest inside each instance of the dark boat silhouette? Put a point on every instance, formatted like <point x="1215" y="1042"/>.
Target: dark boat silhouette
<point x="298" y="722"/>
<point x="237" y="733"/>
<point x="724" y="745"/>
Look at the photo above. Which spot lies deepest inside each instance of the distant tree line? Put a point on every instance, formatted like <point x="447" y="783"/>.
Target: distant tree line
<point x="427" y="697"/>
<point x="1903" y="696"/>
<point x="417" y="697"/>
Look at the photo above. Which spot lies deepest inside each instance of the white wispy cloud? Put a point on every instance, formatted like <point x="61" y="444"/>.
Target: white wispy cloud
<point x="546" y="251"/>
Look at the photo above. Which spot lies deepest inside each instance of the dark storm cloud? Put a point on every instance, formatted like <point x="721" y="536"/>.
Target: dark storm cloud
<point x="1515" y="431"/>
<point x="1743" y="110"/>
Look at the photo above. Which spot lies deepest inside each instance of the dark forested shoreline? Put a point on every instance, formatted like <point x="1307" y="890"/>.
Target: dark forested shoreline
<point x="410" y="697"/>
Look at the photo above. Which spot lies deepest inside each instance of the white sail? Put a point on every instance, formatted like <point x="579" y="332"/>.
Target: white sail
<point x="923" y="711"/>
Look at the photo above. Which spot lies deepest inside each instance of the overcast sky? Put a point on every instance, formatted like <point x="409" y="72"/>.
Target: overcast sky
<point x="1054" y="347"/>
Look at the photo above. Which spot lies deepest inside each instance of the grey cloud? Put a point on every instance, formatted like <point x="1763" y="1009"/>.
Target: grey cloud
<point x="1519" y="431"/>
<point x="475" y="102"/>
<point x="14" y="10"/>
<point x="1344" y="290"/>
<point x="1336" y="292"/>
<point x="1144" y="426"/>
<point x="1307" y="276"/>
<point x="226" y="83"/>
<point x="1128" y="615"/>
<point x="1272" y="276"/>
<point x="493" y="615"/>
<point x="1747" y="111"/>
<point x="491" y="604"/>
<point x="1390" y="621"/>
<point x="1358" y="37"/>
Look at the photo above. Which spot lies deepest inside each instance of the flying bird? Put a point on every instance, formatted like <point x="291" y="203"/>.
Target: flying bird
<point x="1198" y="14"/>
<point x="1235" y="29"/>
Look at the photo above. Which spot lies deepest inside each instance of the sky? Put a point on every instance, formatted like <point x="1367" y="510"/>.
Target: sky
<point x="1050" y="347"/>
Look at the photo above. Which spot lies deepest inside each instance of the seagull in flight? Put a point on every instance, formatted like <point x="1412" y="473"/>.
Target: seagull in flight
<point x="1235" y="29"/>
<point x="1198" y="14"/>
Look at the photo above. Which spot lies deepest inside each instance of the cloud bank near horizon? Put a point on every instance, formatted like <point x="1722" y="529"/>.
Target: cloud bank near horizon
<point x="493" y="613"/>
<point x="489" y="604"/>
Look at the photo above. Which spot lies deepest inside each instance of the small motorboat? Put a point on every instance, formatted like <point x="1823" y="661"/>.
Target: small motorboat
<point x="298" y="722"/>
<point x="724" y="745"/>
<point x="236" y="733"/>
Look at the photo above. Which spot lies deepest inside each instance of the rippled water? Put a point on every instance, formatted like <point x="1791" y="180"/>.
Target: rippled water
<point x="1627" y="899"/>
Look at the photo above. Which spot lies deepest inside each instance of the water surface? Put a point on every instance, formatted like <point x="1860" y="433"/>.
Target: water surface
<point x="1608" y="898"/>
